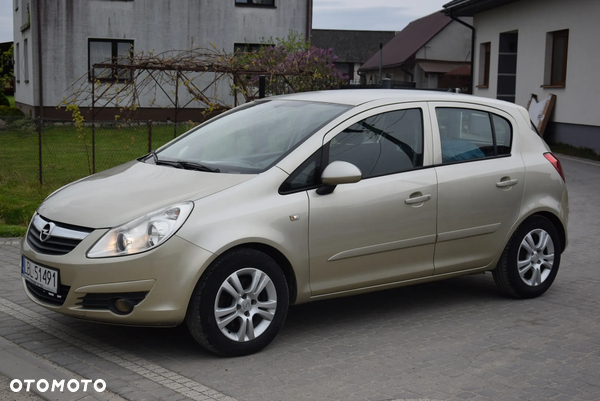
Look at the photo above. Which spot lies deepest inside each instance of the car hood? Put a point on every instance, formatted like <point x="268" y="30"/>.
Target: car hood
<point x="121" y="194"/>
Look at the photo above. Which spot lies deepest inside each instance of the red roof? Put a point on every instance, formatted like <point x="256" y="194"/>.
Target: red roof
<point x="409" y="40"/>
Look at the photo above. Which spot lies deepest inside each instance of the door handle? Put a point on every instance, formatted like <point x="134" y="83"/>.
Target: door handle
<point x="507" y="183"/>
<point x="417" y="199"/>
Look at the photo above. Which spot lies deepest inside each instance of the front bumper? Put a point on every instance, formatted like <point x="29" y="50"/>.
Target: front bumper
<point x="166" y="276"/>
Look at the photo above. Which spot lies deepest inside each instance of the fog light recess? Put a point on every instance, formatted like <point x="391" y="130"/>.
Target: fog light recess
<point x="121" y="306"/>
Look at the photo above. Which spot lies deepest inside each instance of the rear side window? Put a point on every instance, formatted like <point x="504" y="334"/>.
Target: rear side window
<point x="468" y="134"/>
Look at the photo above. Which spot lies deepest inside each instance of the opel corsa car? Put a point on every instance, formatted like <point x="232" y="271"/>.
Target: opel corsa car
<point x="300" y="198"/>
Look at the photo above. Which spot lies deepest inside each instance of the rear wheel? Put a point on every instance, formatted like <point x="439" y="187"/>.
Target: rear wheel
<point x="240" y="303"/>
<point x="530" y="261"/>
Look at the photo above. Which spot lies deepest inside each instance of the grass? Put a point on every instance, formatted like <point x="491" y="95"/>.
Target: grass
<point x="11" y="100"/>
<point x="570" y="150"/>
<point x="66" y="157"/>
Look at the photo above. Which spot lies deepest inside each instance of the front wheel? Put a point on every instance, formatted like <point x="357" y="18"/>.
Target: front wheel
<point x="240" y="303"/>
<point x="530" y="261"/>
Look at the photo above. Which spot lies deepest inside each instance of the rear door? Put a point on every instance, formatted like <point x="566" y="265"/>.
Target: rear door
<point x="480" y="183"/>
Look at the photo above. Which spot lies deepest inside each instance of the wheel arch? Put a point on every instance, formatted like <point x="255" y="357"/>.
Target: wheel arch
<point x="279" y="258"/>
<point x="555" y="222"/>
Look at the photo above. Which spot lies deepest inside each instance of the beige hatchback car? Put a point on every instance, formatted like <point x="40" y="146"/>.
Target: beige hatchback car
<point x="300" y="198"/>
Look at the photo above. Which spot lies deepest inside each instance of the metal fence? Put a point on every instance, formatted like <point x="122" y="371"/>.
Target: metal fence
<point x="56" y="152"/>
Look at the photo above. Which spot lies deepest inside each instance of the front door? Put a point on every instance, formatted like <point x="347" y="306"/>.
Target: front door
<point x="381" y="229"/>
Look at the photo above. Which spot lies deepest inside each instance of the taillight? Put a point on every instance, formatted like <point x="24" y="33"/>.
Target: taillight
<point x="556" y="163"/>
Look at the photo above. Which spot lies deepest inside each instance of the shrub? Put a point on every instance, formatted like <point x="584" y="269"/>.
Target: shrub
<point x="10" y="111"/>
<point x="4" y="100"/>
<point x="23" y="123"/>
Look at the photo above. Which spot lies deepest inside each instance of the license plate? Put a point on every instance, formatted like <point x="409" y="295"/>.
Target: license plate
<point x="41" y="276"/>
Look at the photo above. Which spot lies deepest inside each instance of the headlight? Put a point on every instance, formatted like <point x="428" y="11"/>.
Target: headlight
<point x="142" y="234"/>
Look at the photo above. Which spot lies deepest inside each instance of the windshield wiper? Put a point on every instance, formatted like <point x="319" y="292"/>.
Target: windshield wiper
<point x="198" y="167"/>
<point x="182" y="164"/>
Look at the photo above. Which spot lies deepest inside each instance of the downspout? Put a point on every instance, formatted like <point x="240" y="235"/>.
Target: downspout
<point x="380" y="61"/>
<point x="39" y="49"/>
<point x="309" y="14"/>
<point x="41" y="86"/>
<point x="472" y="28"/>
<point x="406" y="71"/>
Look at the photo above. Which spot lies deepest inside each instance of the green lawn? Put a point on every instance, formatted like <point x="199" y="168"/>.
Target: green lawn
<point x="565" y="149"/>
<point x="66" y="157"/>
<point x="11" y="99"/>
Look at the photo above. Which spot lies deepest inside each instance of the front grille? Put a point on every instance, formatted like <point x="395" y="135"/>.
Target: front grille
<point x="61" y="238"/>
<point x="99" y="301"/>
<point x="48" y="297"/>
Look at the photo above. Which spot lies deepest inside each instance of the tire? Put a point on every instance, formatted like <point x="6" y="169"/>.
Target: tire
<point x="530" y="261"/>
<point x="239" y="304"/>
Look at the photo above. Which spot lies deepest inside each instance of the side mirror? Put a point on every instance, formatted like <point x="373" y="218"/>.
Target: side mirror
<point x="337" y="173"/>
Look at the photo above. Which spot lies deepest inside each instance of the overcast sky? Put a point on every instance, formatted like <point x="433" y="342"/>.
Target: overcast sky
<point x="371" y="15"/>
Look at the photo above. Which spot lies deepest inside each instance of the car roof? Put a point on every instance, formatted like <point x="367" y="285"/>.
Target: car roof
<point x="356" y="97"/>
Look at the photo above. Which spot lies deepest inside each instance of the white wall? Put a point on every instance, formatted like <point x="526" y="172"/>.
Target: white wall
<point x="577" y="102"/>
<point x="453" y="43"/>
<point x="154" y="26"/>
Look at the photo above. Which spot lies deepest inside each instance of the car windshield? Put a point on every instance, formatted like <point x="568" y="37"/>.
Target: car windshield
<point x="250" y="139"/>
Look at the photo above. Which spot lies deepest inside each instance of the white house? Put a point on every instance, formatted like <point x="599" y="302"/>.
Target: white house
<point x="432" y="52"/>
<point x="72" y="35"/>
<point x="540" y="47"/>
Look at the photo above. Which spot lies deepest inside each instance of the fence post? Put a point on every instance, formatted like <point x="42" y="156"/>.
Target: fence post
<point x="93" y="147"/>
<point x="262" y="83"/>
<point x="40" y="128"/>
<point x="149" y="136"/>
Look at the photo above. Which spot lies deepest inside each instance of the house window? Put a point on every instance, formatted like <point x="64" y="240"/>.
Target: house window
<point x="507" y="66"/>
<point x="256" y="3"/>
<point x="25" y="15"/>
<point x="247" y="47"/>
<point x="109" y="51"/>
<point x="484" y="65"/>
<point x="25" y="61"/>
<point x="557" y="45"/>
<point x="17" y="64"/>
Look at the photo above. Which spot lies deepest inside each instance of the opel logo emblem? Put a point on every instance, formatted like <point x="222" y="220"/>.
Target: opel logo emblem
<point x="46" y="231"/>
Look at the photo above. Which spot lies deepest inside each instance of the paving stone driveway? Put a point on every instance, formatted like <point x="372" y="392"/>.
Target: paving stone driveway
<point x="451" y="340"/>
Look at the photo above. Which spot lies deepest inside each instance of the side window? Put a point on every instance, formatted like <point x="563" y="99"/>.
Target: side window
<point x="383" y="144"/>
<point x="308" y="175"/>
<point x="472" y="134"/>
<point x="503" y="133"/>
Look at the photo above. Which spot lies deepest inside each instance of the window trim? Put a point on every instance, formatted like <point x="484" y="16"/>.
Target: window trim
<point x="17" y="66"/>
<point x="114" y="51"/>
<point x="485" y="50"/>
<point x="250" y="3"/>
<point x="550" y="53"/>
